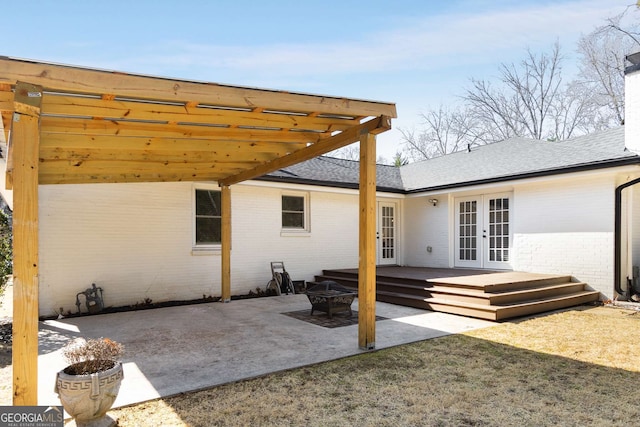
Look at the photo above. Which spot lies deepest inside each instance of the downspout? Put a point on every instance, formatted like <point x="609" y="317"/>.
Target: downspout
<point x="618" y="238"/>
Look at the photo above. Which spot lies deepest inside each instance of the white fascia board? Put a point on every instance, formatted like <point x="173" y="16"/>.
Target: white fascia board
<point x="315" y="188"/>
<point x="506" y="186"/>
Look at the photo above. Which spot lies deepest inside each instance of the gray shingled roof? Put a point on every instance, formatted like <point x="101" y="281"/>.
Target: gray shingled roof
<point x="510" y="159"/>
<point x="331" y="171"/>
<point x="517" y="158"/>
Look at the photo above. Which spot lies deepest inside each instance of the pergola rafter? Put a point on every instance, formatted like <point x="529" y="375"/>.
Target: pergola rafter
<point x="84" y="125"/>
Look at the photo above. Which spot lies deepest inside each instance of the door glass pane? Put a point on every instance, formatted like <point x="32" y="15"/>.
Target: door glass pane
<point x="387" y="231"/>
<point x="467" y="219"/>
<point x="499" y="230"/>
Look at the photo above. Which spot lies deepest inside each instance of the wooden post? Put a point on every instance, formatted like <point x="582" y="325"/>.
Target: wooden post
<point x="226" y="243"/>
<point x="367" y="247"/>
<point x="25" y="142"/>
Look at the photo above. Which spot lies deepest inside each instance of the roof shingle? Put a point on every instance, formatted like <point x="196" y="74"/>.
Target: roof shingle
<point x="510" y="159"/>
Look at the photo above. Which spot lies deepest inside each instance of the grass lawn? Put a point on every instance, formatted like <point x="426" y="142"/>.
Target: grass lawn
<point x="579" y="367"/>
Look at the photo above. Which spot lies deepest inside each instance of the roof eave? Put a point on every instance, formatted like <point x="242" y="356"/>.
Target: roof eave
<point x="535" y="174"/>
<point x="347" y="185"/>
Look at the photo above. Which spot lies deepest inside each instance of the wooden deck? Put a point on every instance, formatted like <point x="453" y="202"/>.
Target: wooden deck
<point x="483" y="294"/>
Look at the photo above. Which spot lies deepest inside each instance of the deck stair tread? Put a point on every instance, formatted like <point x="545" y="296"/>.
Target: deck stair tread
<point x="488" y="307"/>
<point x="498" y="282"/>
<point x="493" y="296"/>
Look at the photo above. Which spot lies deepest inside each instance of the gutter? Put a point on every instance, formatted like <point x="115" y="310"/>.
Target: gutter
<point x="306" y="181"/>
<point x="618" y="239"/>
<point x="295" y="179"/>
<point x="536" y="174"/>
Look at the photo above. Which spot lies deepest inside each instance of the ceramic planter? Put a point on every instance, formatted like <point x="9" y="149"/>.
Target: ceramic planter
<point x="87" y="398"/>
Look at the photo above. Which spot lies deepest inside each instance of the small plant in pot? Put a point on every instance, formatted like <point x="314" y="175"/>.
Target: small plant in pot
<point x="89" y="385"/>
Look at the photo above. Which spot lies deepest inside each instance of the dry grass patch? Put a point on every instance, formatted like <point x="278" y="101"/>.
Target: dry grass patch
<point x="573" y="368"/>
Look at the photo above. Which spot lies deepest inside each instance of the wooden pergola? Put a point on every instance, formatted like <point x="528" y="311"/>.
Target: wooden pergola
<point x="70" y="125"/>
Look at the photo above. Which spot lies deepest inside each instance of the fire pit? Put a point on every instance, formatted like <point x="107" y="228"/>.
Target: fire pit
<point x="330" y="297"/>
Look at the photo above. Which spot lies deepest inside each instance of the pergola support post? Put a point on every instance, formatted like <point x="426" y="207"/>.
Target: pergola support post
<point x="226" y="243"/>
<point x="367" y="247"/>
<point x="25" y="143"/>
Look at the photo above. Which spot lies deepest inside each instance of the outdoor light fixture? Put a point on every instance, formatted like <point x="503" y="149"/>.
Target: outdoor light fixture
<point x="434" y="202"/>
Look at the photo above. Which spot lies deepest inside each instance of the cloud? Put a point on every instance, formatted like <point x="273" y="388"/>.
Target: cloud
<point x="424" y="42"/>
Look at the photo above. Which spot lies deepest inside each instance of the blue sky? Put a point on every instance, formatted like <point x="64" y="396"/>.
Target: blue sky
<point x="418" y="54"/>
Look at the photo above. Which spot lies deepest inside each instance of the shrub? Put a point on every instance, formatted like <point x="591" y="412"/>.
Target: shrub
<point x="6" y="249"/>
<point x="91" y="356"/>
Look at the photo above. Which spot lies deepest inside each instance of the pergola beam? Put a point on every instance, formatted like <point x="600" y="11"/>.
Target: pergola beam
<point x="373" y="126"/>
<point x="131" y="110"/>
<point x="105" y="147"/>
<point x="65" y="78"/>
<point x="25" y="135"/>
<point x="89" y="127"/>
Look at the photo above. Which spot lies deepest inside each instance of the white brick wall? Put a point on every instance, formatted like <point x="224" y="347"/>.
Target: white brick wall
<point x="135" y="241"/>
<point x="258" y="240"/>
<point x="426" y="225"/>
<point x="566" y="227"/>
<point x="632" y="111"/>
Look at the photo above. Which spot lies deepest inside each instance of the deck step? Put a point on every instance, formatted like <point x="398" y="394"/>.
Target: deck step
<point x="502" y="282"/>
<point x="492" y="296"/>
<point x="490" y="312"/>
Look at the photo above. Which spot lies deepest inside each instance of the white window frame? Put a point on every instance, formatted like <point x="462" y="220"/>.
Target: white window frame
<point x="306" y="229"/>
<point x="195" y="246"/>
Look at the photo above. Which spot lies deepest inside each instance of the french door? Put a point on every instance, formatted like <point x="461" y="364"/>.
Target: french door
<point x="387" y="233"/>
<point x="483" y="231"/>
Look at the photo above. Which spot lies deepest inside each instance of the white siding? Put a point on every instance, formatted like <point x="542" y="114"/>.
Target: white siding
<point x="632" y="112"/>
<point x="258" y="240"/>
<point x="562" y="225"/>
<point x="135" y="241"/>
<point x="426" y="226"/>
<point x="566" y="227"/>
<point x="635" y="223"/>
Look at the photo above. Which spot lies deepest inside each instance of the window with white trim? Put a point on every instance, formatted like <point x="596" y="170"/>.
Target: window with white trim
<point x="295" y="212"/>
<point x="208" y="218"/>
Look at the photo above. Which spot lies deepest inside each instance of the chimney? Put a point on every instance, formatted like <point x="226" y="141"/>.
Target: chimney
<point x="632" y="103"/>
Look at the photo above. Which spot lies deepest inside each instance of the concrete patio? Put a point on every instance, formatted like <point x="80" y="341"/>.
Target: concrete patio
<point x="185" y="348"/>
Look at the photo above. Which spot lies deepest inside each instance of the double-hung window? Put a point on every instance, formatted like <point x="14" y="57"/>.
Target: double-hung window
<point x="208" y="218"/>
<point x="295" y="215"/>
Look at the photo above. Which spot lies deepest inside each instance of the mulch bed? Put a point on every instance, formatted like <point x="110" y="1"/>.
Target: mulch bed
<point x="322" y="319"/>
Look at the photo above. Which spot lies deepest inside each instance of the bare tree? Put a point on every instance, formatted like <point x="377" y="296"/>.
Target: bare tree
<point x="352" y="152"/>
<point x="530" y="100"/>
<point x="602" y="62"/>
<point x="444" y="131"/>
